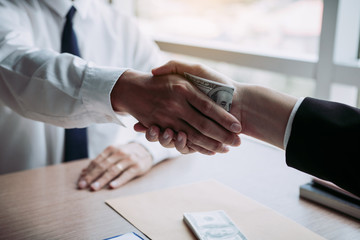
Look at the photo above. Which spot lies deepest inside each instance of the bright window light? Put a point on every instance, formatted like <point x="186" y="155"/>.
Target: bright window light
<point x="286" y="27"/>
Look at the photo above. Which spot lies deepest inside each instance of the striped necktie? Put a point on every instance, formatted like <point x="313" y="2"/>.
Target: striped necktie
<point x="76" y="144"/>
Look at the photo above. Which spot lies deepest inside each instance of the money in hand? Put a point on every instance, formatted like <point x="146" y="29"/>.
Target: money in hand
<point x="213" y="225"/>
<point x="220" y="93"/>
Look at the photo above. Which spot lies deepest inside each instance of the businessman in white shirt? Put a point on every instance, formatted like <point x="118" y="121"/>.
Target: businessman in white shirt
<point x="43" y="91"/>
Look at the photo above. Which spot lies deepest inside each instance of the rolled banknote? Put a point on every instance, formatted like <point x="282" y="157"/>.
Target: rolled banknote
<point x="220" y="93"/>
<point x="213" y="225"/>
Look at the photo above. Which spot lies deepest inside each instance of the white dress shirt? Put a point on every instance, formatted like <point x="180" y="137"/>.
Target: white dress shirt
<point x="43" y="91"/>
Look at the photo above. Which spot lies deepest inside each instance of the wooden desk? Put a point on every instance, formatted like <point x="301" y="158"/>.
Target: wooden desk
<point x="44" y="203"/>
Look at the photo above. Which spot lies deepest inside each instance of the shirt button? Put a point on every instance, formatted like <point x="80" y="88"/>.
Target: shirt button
<point x="109" y="118"/>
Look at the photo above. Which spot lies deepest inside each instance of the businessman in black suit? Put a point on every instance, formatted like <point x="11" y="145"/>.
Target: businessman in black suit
<point x="320" y="137"/>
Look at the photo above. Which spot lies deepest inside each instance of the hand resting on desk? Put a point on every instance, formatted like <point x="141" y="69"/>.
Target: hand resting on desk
<point x="115" y="166"/>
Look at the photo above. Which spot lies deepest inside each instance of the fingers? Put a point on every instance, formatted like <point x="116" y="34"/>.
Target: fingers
<point x="181" y="144"/>
<point x="139" y="127"/>
<point x="175" y="67"/>
<point x="111" y="173"/>
<point x="203" y="104"/>
<point x="202" y="150"/>
<point x="129" y="174"/>
<point x="167" y="138"/>
<point x="210" y="109"/>
<point x="178" y="67"/>
<point x="96" y="167"/>
<point x="207" y="133"/>
<point x="152" y="134"/>
<point x="114" y="162"/>
<point x="104" y="161"/>
<point x="184" y="146"/>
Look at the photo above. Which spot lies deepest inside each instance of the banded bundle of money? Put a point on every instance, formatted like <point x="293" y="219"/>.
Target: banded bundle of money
<point x="220" y="93"/>
<point x="213" y="225"/>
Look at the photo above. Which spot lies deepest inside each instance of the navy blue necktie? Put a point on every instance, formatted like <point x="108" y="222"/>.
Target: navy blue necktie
<point x="76" y="146"/>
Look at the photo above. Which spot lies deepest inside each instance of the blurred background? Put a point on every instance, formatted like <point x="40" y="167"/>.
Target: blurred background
<point x="301" y="47"/>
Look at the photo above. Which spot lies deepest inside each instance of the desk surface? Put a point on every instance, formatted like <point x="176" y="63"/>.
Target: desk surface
<point x="45" y="204"/>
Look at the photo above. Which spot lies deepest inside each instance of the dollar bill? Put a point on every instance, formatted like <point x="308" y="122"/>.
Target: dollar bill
<point x="213" y="225"/>
<point x="220" y="93"/>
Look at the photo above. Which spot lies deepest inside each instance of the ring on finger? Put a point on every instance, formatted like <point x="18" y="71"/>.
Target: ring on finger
<point x="120" y="167"/>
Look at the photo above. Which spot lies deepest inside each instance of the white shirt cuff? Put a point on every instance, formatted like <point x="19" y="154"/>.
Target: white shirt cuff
<point x="158" y="152"/>
<point x="98" y="84"/>
<point x="290" y="121"/>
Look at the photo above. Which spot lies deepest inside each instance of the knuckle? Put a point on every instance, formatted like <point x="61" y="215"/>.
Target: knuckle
<point x="180" y="87"/>
<point x="127" y="175"/>
<point x="113" y="171"/>
<point x="106" y="178"/>
<point x="128" y="161"/>
<point x="174" y="113"/>
<point x="99" y="166"/>
<point x="205" y="126"/>
<point x="135" y="168"/>
<point x="110" y="148"/>
<point x="133" y="171"/>
<point x="229" y="139"/>
<point x="198" y="67"/>
<point x="218" y="146"/>
<point x="110" y="160"/>
<point x="172" y="63"/>
<point x="176" y="108"/>
<point x="92" y="162"/>
<point x="207" y="107"/>
<point x="119" y="153"/>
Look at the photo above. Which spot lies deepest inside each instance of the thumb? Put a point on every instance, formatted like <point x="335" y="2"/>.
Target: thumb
<point x="173" y="67"/>
<point x="168" y="68"/>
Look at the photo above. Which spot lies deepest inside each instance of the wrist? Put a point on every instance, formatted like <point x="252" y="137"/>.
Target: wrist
<point x="138" y="150"/>
<point x="265" y="113"/>
<point x="117" y="92"/>
<point x="125" y="89"/>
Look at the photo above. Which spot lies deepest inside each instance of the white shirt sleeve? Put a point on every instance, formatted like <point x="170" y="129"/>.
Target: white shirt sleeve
<point x="70" y="92"/>
<point x="290" y="121"/>
<point x="38" y="83"/>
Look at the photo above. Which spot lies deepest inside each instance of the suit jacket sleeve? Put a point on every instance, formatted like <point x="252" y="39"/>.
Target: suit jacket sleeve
<point x="325" y="142"/>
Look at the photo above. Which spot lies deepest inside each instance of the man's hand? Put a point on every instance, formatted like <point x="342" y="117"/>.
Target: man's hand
<point x="168" y="138"/>
<point x="116" y="166"/>
<point x="170" y="101"/>
<point x="179" y="139"/>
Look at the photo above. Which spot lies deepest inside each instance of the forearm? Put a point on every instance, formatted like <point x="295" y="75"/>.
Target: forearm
<point x="59" y="89"/>
<point x="264" y="113"/>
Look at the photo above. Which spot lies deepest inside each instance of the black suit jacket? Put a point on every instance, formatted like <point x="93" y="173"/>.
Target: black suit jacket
<point x="325" y="142"/>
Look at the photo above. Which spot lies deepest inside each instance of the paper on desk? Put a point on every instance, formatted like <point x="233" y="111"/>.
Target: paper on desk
<point x="159" y="214"/>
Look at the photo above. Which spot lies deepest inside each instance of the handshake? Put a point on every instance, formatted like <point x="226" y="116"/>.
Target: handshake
<point x="176" y="112"/>
<point x="221" y="94"/>
<point x="203" y="112"/>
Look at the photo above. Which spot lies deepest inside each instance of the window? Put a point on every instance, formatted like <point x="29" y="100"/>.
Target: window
<point x="303" y="47"/>
<point x="266" y="26"/>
